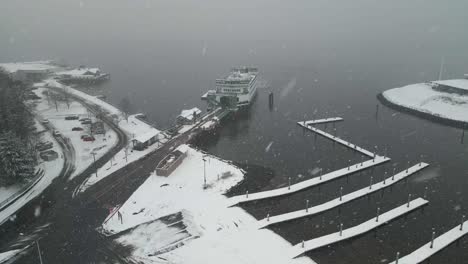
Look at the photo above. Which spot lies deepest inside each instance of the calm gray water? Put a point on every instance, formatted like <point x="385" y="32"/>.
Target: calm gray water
<point x="321" y="58"/>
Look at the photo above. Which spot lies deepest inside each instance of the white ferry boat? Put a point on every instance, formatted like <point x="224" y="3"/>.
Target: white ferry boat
<point x="235" y="90"/>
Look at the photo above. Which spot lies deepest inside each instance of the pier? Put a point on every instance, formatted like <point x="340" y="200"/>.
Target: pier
<point x="435" y="245"/>
<point x="322" y="121"/>
<point x="376" y="160"/>
<point x="362" y="228"/>
<point x="308" y="125"/>
<point x="342" y="199"/>
<point x="308" y="183"/>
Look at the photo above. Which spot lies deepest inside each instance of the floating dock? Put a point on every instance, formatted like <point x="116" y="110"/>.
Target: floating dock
<point x="308" y="183"/>
<point x="362" y="228"/>
<point x="322" y="121"/>
<point x="343" y="199"/>
<point x="376" y="160"/>
<point x="438" y="244"/>
<point x="308" y="125"/>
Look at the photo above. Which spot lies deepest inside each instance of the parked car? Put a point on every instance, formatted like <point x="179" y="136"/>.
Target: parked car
<point x="77" y="129"/>
<point x="89" y="138"/>
<point x="86" y="122"/>
<point x="84" y="135"/>
<point x="72" y="117"/>
<point x="84" y="119"/>
<point x="45" y="121"/>
<point x="56" y="133"/>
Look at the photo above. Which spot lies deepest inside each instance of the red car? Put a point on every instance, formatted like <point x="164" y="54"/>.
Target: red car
<point x="89" y="138"/>
<point x="77" y="129"/>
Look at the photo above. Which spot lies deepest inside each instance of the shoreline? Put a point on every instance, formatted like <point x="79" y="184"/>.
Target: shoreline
<point x="423" y="115"/>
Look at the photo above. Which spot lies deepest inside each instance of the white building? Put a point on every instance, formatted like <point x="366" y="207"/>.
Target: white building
<point x="188" y="116"/>
<point x="33" y="71"/>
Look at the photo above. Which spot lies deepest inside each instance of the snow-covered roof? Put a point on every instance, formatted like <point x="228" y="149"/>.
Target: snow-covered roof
<point x="456" y="83"/>
<point x="183" y="148"/>
<point x="142" y="130"/>
<point x="188" y="113"/>
<point x="79" y="71"/>
<point x="147" y="135"/>
<point x="27" y="66"/>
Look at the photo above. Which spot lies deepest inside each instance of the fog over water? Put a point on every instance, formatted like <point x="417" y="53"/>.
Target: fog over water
<point x="321" y="59"/>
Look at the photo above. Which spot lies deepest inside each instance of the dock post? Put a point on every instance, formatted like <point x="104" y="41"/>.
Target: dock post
<point x="270" y="99"/>
<point x="370" y="184"/>
<point x="307" y="206"/>
<point x="289" y="183"/>
<point x="461" y="224"/>
<point x="373" y="159"/>
<point x="425" y="192"/>
<point x="378" y="213"/>
<point x="432" y="240"/>
<point x="397" y="257"/>
<point x="341" y="193"/>
<point x="407" y="165"/>
<point x="246" y="194"/>
<point x="268" y="217"/>
<point x="349" y="163"/>
<point x="361" y="161"/>
<point x="341" y="229"/>
<point x="302" y="244"/>
<point x="393" y="175"/>
<point x="385" y="177"/>
<point x="409" y="200"/>
<point x="420" y="160"/>
<point x="321" y="172"/>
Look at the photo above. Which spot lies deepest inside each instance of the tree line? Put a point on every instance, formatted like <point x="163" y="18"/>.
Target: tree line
<point x="18" y="156"/>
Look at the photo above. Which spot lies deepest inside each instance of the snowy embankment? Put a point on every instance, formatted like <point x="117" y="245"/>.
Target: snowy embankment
<point x="434" y="104"/>
<point x="51" y="170"/>
<point x="176" y="219"/>
<point x="83" y="150"/>
<point x="131" y="125"/>
<point x="7" y="256"/>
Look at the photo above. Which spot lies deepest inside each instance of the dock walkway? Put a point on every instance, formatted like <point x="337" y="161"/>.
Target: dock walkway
<point x="376" y="160"/>
<point x="308" y="183"/>
<point x="362" y="228"/>
<point x="323" y="121"/>
<point x="308" y="125"/>
<point x="440" y="243"/>
<point x="344" y="199"/>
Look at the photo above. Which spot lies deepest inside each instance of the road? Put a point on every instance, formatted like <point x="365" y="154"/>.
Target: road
<point x="67" y="226"/>
<point x="56" y="199"/>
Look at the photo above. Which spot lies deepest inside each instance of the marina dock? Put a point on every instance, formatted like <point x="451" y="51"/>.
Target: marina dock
<point x="376" y="160"/>
<point x="435" y="245"/>
<point x="323" y="121"/>
<point x="308" y="183"/>
<point x="308" y="125"/>
<point x="309" y="211"/>
<point x="362" y="228"/>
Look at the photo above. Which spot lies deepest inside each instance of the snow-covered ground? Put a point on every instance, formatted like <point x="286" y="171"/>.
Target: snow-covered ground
<point x="8" y="255"/>
<point x="189" y="223"/>
<point x="51" y="171"/>
<point x="423" y="98"/>
<point x="120" y="160"/>
<point x="46" y="108"/>
<point x="7" y="192"/>
<point x="131" y="125"/>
